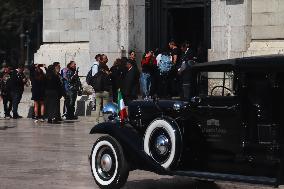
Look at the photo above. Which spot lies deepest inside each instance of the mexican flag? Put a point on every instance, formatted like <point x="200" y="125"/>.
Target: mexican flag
<point x="121" y="107"/>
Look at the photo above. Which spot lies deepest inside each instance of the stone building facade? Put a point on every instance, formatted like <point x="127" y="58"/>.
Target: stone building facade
<point x="79" y="29"/>
<point x="246" y="28"/>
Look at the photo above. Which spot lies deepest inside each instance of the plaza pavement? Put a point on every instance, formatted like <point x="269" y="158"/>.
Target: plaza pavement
<point x="45" y="156"/>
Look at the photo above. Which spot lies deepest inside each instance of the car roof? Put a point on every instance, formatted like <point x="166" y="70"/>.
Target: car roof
<point x="254" y="63"/>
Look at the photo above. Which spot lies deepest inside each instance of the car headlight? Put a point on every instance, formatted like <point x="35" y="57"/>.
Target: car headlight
<point x="110" y="111"/>
<point x="177" y="106"/>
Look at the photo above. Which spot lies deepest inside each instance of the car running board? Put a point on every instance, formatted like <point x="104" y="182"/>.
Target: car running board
<point x="229" y="177"/>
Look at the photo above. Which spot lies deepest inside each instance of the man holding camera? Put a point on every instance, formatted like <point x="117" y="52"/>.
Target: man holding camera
<point x="72" y="88"/>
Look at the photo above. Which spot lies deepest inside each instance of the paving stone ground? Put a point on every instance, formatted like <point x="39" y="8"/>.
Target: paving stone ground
<point x="44" y="156"/>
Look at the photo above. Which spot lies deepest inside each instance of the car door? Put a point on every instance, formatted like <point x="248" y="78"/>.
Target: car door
<point x="218" y="115"/>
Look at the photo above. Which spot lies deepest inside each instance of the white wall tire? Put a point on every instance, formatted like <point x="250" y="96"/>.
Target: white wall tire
<point x="108" y="163"/>
<point x="162" y="141"/>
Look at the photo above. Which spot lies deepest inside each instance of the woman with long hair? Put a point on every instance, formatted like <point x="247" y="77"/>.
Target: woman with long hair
<point x="38" y="91"/>
<point x="53" y="93"/>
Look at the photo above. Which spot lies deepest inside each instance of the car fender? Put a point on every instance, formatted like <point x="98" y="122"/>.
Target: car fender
<point x="132" y="144"/>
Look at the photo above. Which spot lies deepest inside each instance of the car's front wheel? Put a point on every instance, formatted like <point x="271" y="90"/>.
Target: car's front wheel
<point x="108" y="163"/>
<point x="162" y="141"/>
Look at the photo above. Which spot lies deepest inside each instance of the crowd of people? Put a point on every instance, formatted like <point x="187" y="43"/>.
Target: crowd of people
<point x="49" y="85"/>
<point x="163" y="74"/>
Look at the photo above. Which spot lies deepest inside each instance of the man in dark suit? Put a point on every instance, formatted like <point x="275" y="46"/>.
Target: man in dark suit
<point x="130" y="83"/>
<point x="184" y="70"/>
<point x="16" y="87"/>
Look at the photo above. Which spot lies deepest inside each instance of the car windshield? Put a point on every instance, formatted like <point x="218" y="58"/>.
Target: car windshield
<point x="215" y="83"/>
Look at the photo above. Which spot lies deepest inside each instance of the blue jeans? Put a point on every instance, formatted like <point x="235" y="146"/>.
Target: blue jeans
<point x="145" y="82"/>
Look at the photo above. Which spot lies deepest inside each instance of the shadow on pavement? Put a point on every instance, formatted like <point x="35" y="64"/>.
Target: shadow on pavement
<point x="170" y="183"/>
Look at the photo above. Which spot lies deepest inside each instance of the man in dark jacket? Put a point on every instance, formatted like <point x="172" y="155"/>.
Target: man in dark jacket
<point x="16" y="86"/>
<point x="130" y="83"/>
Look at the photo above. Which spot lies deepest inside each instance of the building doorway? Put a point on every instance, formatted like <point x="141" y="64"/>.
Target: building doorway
<point x="186" y="25"/>
<point x="185" y="20"/>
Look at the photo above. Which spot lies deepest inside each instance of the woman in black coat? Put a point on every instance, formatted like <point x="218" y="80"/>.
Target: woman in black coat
<point x="53" y="93"/>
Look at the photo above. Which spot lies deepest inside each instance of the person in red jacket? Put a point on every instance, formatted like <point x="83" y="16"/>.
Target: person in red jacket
<point x="148" y="65"/>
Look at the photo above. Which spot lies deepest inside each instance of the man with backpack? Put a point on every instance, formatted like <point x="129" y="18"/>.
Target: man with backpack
<point x="165" y="67"/>
<point x="90" y="75"/>
<point x="102" y="85"/>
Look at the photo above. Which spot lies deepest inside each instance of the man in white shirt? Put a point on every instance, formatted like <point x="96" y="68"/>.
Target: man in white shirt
<point x="95" y="69"/>
<point x="96" y="64"/>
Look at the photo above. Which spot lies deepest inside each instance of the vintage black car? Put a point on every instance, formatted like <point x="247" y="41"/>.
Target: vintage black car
<point x="231" y="128"/>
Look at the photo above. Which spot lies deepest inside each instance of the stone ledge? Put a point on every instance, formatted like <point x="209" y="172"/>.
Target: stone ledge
<point x="265" y="48"/>
<point x="63" y="53"/>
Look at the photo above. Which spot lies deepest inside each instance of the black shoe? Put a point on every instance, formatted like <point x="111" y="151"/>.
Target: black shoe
<point x="17" y="117"/>
<point x="72" y="118"/>
<point x="53" y="121"/>
<point x="8" y="116"/>
<point x="59" y="119"/>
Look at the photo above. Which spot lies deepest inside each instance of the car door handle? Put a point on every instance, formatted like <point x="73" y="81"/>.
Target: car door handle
<point x="234" y="107"/>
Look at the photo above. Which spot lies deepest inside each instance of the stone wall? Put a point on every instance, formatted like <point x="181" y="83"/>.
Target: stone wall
<point x="65" y="20"/>
<point x="65" y="34"/>
<point x="267" y="19"/>
<point x="231" y="28"/>
<point x="63" y="53"/>
<point x="246" y="28"/>
<point x="267" y="28"/>
<point x="116" y="27"/>
<point x="80" y="29"/>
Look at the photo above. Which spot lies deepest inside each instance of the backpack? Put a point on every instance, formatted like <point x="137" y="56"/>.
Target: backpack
<point x="165" y="65"/>
<point x="89" y="77"/>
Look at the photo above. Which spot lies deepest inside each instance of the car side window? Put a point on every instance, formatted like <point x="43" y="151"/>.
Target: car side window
<point x="216" y="84"/>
